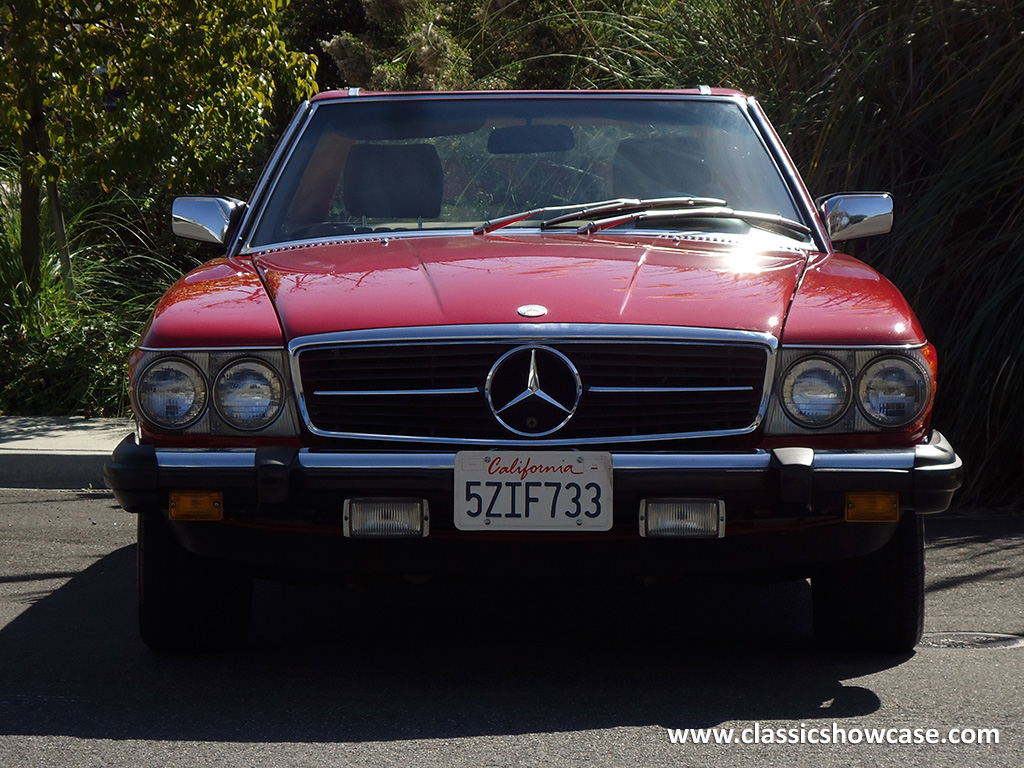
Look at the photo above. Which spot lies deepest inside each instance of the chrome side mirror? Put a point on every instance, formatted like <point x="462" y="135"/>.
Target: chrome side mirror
<point x="849" y="216"/>
<point x="206" y="219"/>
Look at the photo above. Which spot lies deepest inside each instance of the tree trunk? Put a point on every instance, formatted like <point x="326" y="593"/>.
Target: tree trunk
<point x="31" y="200"/>
<point x="31" y="236"/>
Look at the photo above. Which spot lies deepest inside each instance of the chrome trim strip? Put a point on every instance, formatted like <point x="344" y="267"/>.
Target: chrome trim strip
<point x="383" y="238"/>
<point x="790" y="173"/>
<point x="633" y="94"/>
<point x="755" y="461"/>
<point x="898" y="460"/>
<point x="212" y="459"/>
<point x="513" y="443"/>
<point x="835" y="461"/>
<point x="651" y="390"/>
<point x="282" y="157"/>
<point x="371" y="461"/>
<point x="397" y="392"/>
<point x="931" y="453"/>
<point x="880" y="348"/>
<point x="956" y="464"/>
<point x="519" y="333"/>
<point x="268" y="179"/>
<point x="183" y="350"/>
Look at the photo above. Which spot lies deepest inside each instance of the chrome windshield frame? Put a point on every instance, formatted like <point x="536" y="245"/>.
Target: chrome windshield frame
<point x="748" y="106"/>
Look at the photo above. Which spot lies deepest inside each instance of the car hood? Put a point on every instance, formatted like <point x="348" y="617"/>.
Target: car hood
<point x="426" y="280"/>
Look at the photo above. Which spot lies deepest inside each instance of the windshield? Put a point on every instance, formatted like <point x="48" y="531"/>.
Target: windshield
<point x="372" y="164"/>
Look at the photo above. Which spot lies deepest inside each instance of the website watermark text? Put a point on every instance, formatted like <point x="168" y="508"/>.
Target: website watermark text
<point x="834" y="734"/>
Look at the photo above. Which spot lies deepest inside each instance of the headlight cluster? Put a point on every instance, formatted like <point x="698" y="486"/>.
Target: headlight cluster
<point x="173" y="393"/>
<point x="887" y="390"/>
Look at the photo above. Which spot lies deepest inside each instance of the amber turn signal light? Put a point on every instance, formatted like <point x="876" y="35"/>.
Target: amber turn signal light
<point x="196" y="505"/>
<point x="872" y="507"/>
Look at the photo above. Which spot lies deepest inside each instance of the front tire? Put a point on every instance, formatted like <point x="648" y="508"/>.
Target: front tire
<point x="187" y="603"/>
<point x="874" y="602"/>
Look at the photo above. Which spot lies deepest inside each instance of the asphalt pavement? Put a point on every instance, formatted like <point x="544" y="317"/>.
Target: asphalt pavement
<point x="57" y="453"/>
<point x="465" y="674"/>
<point x="488" y="674"/>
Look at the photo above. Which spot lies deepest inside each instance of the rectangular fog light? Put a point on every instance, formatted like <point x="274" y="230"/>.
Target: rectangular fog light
<point x="872" y="507"/>
<point x="682" y="518"/>
<point x="385" y="518"/>
<point x="196" y="505"/>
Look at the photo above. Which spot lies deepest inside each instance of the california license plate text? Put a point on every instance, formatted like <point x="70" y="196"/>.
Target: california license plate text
<point x="531" y="491"/>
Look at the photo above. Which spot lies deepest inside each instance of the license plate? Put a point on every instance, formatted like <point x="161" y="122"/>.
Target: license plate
<point x="533" y="491"/>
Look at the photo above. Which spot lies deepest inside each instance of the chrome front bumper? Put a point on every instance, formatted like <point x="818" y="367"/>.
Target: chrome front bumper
<point x="925" y="476"/>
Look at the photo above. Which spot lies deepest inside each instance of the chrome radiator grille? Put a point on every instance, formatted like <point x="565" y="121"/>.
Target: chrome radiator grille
<point x="443" y="390"/>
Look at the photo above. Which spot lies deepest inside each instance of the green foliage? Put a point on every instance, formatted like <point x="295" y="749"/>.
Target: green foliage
<point x="158" y="98"/>
<point x="67" y="354"/>
<point x="76" y="367"/>
<point x="305" y="23"/>
<point x="139" y="92"/>
<point x="403" y="45"/>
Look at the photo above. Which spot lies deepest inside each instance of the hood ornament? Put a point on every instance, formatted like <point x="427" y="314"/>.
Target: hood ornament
<point x="532" y="310"/>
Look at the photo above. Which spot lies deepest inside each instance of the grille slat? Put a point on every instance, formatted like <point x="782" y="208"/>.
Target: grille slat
<point x="601" y="415"/>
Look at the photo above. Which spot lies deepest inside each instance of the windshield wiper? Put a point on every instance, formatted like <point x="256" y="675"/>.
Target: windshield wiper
<point x="754" y="218"/>
<point x="576" y="211"/>
<point x="613" y="213"/>
<point x="633" y="206"/>
<point x="492" y="224"/>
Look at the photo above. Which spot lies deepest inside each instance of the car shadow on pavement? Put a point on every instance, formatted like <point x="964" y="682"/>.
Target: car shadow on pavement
<point x="399" y="661"/>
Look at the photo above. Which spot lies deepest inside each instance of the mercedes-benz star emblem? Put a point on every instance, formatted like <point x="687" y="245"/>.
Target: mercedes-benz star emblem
<point x="533" y="391"/>
<point x="532" y="310"/>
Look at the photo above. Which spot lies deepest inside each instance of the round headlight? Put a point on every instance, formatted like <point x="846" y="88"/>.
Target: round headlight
<point x="171" y="393"/>
<point x="815" y="392"/>
<point x="892" y="391"/>
<point x="248" y="394"/>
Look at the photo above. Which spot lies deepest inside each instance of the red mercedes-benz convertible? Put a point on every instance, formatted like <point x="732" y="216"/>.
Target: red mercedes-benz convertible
<point x="533" y="333"/>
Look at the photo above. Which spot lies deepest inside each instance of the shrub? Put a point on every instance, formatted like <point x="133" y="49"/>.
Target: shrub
<point x="66" y="353"/>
